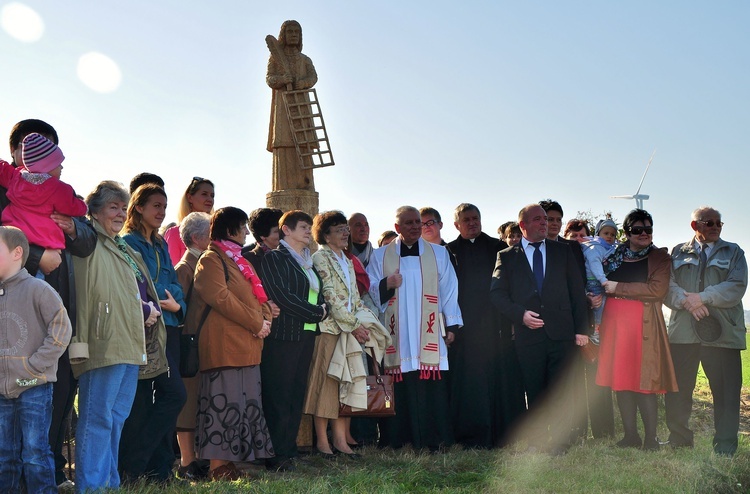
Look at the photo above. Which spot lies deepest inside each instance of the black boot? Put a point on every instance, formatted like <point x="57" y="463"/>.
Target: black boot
<point x="628" y="405"/>
<point x="648" y="406"/>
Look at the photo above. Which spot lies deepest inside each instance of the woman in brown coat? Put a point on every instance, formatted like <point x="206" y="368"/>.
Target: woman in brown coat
<point x="230" y="425"/>
<point x="634" y="358"/>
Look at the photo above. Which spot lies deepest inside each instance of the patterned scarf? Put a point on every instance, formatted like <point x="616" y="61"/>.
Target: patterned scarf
<point x="623" y="253"/>
<point x="233" y="250"/>
<point x="124" y="249"/>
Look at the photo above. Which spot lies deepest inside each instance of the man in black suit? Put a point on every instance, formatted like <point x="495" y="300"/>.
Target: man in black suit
<point x="590" y="399"/>
<point x="536" y="284"/>
<point x="554" y="212"/>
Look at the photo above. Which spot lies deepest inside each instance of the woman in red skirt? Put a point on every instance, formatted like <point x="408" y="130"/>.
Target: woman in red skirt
<point x="634" y="358"/>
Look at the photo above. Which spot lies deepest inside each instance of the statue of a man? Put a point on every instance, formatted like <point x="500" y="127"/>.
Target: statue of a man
<point x="293" y="73"/>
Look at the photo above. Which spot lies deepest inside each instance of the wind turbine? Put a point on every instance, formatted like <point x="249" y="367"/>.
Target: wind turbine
<point x="639" y="198"/>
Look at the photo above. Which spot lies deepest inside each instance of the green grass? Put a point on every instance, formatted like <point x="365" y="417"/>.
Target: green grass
<point x="597" y="466"/>
<point x="702" y="381"/>
<point x="746" y="364"/>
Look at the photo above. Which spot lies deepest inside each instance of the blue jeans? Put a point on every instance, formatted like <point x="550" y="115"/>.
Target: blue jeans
<point x="24" y="441"/>
<point x="105" y="396"/>
<point x="593" y="286"/>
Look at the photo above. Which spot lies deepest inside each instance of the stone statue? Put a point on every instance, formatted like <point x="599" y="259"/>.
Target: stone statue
<point x="288" y="69"/>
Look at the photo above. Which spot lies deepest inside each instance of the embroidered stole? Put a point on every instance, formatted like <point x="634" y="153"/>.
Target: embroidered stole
<point x="430" y="332"/>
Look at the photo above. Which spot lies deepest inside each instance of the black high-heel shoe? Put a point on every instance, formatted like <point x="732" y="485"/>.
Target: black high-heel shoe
<point x="325" y="456"/>
<point x="351" y="456"/>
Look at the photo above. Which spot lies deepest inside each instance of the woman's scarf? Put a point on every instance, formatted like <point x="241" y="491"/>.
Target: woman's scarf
<point x="623" y="253"/>
<point x="233" y="250"/>
<point x="306" y="263"/>
<point x="131" y="262"/>
<point x="363" y="279"/>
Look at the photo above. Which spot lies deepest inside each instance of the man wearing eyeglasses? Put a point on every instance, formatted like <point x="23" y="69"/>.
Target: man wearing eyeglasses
<point x="709" y="279"/>
<point x="432" y="224"/>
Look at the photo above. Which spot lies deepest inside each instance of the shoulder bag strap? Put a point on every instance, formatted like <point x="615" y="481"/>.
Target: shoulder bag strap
<point x="208" y="307"/>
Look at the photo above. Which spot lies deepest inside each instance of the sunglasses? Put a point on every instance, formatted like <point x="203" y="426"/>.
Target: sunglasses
<point x="711" y="223"/>
<point x="637" y="230"/>
<point x="428" y="224"/>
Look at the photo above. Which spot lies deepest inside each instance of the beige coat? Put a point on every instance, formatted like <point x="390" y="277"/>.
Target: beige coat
<point x="347" y="365"/>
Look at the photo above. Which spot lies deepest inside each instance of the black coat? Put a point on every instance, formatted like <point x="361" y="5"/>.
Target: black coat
<point x="562" y="303"/>
<point x="287" y="285"/>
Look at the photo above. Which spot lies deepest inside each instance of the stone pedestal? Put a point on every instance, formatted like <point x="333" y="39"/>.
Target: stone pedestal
<point x="286" y="200"/>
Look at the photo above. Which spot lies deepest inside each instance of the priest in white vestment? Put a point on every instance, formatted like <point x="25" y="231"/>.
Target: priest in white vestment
<point x="414" y="284"/>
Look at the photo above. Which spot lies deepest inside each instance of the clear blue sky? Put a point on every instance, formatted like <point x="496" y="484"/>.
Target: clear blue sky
<point x="426" y="103"/>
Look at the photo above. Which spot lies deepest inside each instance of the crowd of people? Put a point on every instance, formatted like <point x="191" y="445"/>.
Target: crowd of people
<point x="482" y="336"/>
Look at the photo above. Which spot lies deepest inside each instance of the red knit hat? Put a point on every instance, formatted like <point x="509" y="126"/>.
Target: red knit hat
<point x="40" y="155"/>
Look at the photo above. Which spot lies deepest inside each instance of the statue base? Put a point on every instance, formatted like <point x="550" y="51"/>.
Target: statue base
<point x="291" y="199"/>
<point x="287" y="200"/>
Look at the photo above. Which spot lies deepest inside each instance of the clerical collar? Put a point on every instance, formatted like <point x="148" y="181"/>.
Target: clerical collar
<point x="464" y="239"/>
<point x="407" y="251"/>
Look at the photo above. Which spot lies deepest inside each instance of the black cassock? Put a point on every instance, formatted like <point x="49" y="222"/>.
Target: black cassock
<point x="486" y="392"/>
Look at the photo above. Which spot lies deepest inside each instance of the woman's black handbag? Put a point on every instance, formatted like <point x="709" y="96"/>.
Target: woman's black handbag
<point x="189" y="363"/>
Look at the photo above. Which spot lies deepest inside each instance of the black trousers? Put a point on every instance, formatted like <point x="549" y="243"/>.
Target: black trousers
<point x="550" y="380"/>
<point x="365" y="429"/>
<point x="146" y="442"/>
<point x="284" y="368"/>
<point x="422" y="414"/>
<point x="63" y="396"/>
<point x="601" y="410"/>
<point x="723" y="368"/>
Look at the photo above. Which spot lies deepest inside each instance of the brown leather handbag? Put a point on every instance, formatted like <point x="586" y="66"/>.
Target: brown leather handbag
<point x="380" y="402"/>
<point x="590" y="351"/>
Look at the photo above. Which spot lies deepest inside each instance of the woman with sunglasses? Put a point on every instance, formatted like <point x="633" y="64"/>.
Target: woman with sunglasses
<point x="198" y="197"/>
<point x="634" y="358"/>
